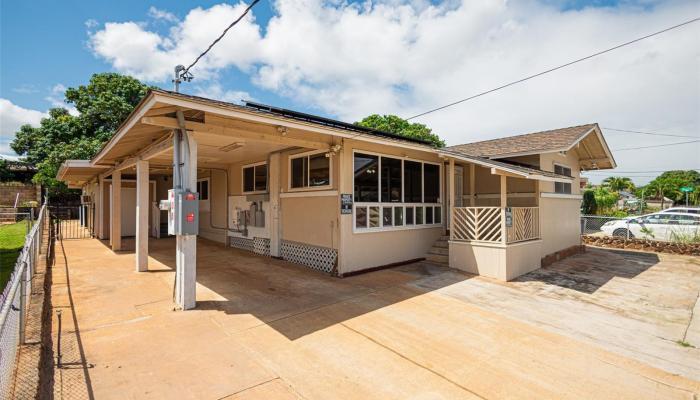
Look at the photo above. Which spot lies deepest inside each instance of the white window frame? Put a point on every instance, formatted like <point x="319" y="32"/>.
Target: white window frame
<point x="204" y="204"/>
<point x="308" y="172"/>
<point x="562" y="165"/>
<point x="267" y="179"/>
<point x="382" y="205"/>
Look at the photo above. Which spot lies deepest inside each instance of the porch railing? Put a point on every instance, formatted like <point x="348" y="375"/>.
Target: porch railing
<point x="495" y="224"/>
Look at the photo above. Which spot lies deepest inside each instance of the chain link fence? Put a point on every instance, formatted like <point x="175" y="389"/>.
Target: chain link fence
<point x="14" y="302"/>
<point x="591" y="224"/>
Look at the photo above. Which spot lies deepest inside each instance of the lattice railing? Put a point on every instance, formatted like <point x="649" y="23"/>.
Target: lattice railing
<point x="525" y="225"/>
<point x="477" y="224"/>
<point x="486" y="224"/>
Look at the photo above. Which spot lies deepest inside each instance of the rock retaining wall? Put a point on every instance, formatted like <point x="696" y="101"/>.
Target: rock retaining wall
<point x="689" y="249"/>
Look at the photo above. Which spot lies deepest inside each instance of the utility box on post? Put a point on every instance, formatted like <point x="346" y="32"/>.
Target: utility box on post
<point x="187" y="212"/>
<point x="183" y="212"/>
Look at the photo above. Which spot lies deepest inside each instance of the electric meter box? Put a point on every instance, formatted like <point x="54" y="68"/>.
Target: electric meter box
<point x="183" y="212"/>
<point x="187" y="212"/>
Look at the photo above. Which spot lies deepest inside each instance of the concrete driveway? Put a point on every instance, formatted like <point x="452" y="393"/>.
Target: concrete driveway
<point x="599" y="325"/>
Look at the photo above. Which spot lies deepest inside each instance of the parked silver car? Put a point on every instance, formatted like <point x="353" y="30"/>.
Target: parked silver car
<point x="665" y="225"/>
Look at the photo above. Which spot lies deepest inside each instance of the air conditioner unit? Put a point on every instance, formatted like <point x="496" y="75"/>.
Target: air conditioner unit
<point x="85" y="199"/>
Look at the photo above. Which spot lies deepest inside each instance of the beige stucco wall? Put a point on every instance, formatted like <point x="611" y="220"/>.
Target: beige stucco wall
<point x="372" y="249"/>
<point x="311" y="220"/>
<point x="495" y="260"/>
<point x="488" y="189"/>
<point x="560" y="224"/>
<point x="547" y="162"/>
<point x="213" y="223"/>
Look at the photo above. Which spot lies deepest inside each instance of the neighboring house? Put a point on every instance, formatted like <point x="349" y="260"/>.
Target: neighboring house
<point x="626" y="199"/>
<point x="657" y="203"/>
<point x="338" y="197"/>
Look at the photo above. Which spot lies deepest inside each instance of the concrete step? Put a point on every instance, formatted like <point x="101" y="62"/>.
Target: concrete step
<point x="442" y="244"/>
<point x="439" y="250"/>
<point x="437" y="258"/>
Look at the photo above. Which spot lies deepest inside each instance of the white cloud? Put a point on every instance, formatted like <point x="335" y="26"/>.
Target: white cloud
<point x="163" y="15"/>
<point x="91" y="23"/>
<point x="404" y="57"/>
<point x="147" y="55"/>
<point x="57" y="96"/>
<point x="216" y="91"/>
<point x="12" y="117"/>
<point x="25" y="88"/>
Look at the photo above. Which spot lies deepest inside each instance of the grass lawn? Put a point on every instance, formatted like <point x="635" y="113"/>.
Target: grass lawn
<point x="11" y="242"/>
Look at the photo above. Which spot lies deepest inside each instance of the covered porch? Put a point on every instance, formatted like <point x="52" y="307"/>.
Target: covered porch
<point x="495" y="215"/>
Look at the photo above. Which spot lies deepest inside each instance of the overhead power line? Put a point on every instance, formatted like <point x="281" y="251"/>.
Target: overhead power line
<point x="657" y="145"/>
<point x="223" y="34"/>
<point x="651" y="133"/>
<point x="555" y="68"/>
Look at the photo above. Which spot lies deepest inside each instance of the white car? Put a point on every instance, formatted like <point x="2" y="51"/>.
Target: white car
<point x="687" y="210"/>
<point x="668" y="226"/>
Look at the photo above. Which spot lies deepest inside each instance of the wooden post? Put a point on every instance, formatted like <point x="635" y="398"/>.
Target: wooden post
<point x="452" y="195"/>
<point x="274" y="171"/>
<point x="142" y="187"/>
<point x="472" y="185"/>
<point x="115" y="224"/>
<point x="504" y="204"/>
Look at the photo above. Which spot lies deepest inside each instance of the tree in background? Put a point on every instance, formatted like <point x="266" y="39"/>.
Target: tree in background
<point x="399" y="126"/>
<point x="669" y="185"/>
<point x="589" y="205"/>
<point x="618" y="183"/>
<point x="605" y="199"/>
<point x="103" y="104"/>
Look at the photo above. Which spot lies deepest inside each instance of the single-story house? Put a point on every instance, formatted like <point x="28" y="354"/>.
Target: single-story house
<point x="334" y="196"/>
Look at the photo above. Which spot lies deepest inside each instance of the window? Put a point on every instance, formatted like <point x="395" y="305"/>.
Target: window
<point x="431" y="183"/>
<point x="203" y="189"/>
<point x="391" y="180"/>
<point x="309" y="171"/>
<point x="392" y="193"/>
<point x="255" y="178"/>
<point x="412" y="183"/>
<point x="562" y="187"/>
<point x="366" y="178"/>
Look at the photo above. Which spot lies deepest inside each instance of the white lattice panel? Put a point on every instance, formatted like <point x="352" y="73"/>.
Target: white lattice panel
<point x="261" y="246"/>
<point x="319" y="258"/>
<point x="242" y="243"/>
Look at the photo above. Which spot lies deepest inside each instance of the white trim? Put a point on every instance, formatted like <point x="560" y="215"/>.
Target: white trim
<point x="308" y="188"/>
<point x="204" y="205"/>
<point x="515" y="195"/>
<point x="267" y="176"/>
<point x="499" y="245"/>
<point x="309" y="193"/>
<point x="561" y="196"/>
<point x="404" y="226"/>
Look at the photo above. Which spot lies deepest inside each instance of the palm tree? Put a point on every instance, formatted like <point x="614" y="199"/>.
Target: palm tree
<point x="618" y="183"/>
<point x="658" y="188"/>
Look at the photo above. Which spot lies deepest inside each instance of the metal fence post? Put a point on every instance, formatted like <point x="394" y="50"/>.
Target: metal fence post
<point x="22" y="303"/>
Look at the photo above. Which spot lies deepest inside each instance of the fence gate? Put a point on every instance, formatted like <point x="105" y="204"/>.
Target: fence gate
<point x="74" y="222"/>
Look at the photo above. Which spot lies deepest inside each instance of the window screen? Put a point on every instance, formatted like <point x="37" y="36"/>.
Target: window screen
<point x="319" y="170"/>
<point x="562" y="187"/>
<point x="366" y="177"/>
<point x="249" y="179"/>
<point x="412" y="178"/>
<point x="299" y="172"/>
<point x="391" y="180"/>
<point x="203" y="189"/>
<point x="431" y="183"/>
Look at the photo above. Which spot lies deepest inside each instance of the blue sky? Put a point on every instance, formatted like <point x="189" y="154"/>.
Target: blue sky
<point x="347" y="60"/>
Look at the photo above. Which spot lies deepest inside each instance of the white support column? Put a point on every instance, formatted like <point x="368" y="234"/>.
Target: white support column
<point x="504" y="191"/>
<point x="274" y="170"/>
<point x="115" y="223"/>
<point x="142" y="207"/>
<point x="186" y="245"/>
<point x="472" y="185"/>
<point x="99" y="210"/>
<point x="452" y="194"/>
<point x="345" y="221"/>
<point x="504" y="204"/>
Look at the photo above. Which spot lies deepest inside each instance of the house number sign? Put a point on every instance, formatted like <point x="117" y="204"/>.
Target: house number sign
<point x="346" y="203"/>
<point x="509" y="217"/>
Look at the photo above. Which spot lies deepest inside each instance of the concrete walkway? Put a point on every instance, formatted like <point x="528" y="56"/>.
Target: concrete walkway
<point x="267" y="329"/>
